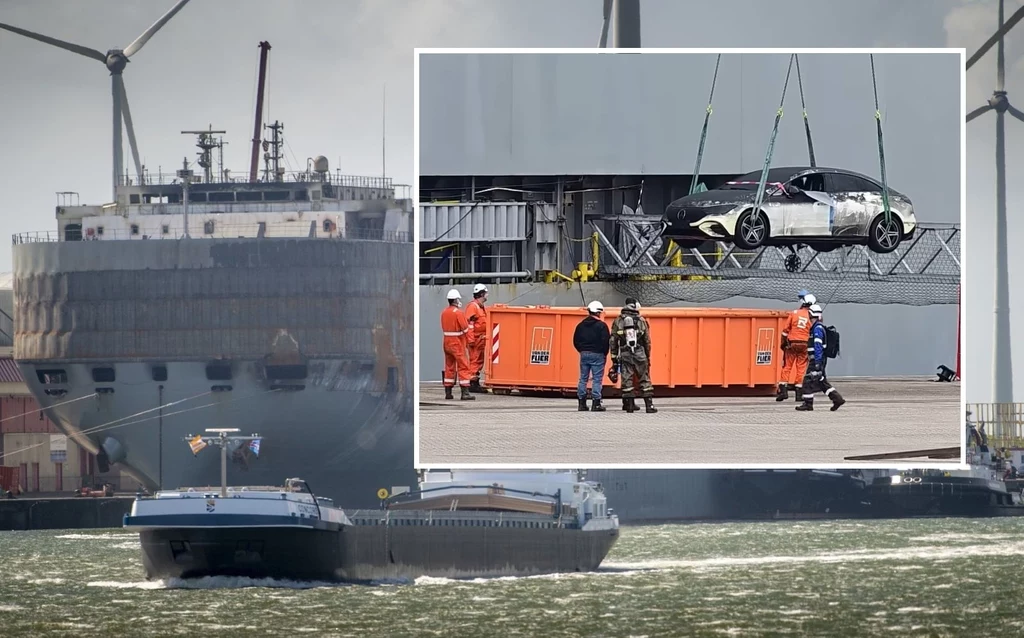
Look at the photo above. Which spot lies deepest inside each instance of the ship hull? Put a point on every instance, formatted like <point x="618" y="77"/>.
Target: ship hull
<point x="305" y="341"/>
<point x="346" y="440"/>
<point x="371" y="553"/>
<point x="938" y="498"/>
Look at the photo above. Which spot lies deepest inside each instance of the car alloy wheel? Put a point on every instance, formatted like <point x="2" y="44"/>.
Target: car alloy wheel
<point x="887" y="233"/>
<point x="752" y="229"/>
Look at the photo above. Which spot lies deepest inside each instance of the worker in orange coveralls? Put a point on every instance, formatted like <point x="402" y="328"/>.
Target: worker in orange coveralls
<point x="476" y="315"/>
<point x="794" y="344"/>
<point x="454" y="329"/>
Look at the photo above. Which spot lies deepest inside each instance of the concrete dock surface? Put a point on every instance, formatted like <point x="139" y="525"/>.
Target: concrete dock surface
<point x="881" y="415"/>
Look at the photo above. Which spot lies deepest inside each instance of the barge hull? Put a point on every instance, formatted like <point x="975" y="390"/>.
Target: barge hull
<point x="371" y="553"/>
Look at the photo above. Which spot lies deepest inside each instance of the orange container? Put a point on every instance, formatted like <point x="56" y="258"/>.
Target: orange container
<point x="696" y="351"/>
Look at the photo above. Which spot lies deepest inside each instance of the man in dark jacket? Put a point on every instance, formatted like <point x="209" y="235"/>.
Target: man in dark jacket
<point x="591" y="341"/>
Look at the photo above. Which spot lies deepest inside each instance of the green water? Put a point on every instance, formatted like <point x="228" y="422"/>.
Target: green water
<point x="940" y="577"/>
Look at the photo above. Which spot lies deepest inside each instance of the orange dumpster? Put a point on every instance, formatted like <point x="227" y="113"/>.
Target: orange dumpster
<point x="696" y="351"/>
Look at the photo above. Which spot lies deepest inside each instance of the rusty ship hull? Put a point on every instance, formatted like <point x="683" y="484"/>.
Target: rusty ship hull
<point x="132" y="345"/>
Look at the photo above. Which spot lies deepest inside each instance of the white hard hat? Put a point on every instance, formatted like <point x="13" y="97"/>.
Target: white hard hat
<point x="810" y="299"/>
<point x="815" y="310"/>
<point x="595" y="307"/>
<point x="479" y="288"/>
<point x="454" y="294"/>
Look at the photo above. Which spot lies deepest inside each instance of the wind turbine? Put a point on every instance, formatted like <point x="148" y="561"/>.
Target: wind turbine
<point x="625" y="15"/>
<point x="1002" y="366"/>
<point x="115" y="60"/>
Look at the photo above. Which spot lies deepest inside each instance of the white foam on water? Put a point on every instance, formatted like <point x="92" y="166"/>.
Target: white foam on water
<point x="213" y="582"/>
<point x="46" y="581"/>
<point x="11" y="607"/>
<point x="97" y="537"/>
<point x="901" y="554"/>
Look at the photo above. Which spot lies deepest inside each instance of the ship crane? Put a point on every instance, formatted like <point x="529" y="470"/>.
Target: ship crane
<point x="115" y="60"/>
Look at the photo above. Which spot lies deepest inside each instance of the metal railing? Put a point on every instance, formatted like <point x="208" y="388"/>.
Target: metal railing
<point x="1004" y="423"/>
<point x="68" y="484"/>
<point x="293" y="230"/>
<point x="336" y="178"/>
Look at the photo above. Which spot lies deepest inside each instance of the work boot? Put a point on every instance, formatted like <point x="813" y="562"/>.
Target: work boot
<point x="628" y="405"/>
<point x="783" y="393"/>
<point x="649" y="402"/>
<point x="597" y="406"/>
<point x="474" y="386"/>
<point x="583" y="405"/>
<point x="466" y="396"/>
<point x="837" y="400"/>
<point x="806" y="406"/>
<point x="448" y="392"/>
<point x="799" y="392"/>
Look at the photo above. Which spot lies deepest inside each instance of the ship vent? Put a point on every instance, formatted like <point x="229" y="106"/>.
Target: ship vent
<point x="159" y="373"/>
<point x="52" y="377"/>
<point x="218" y="372"/>
<point x="103" y="375"/>
<point x="286" y="372"/>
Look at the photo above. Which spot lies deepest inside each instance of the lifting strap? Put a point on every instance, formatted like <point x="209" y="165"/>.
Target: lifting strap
<point x="881" y="149"/>
<point x="704" y="131"/>
<point x="803" y="105"/>
<point x="771" y="142"/>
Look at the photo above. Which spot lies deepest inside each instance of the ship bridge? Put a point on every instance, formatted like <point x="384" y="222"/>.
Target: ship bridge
<point x="292" y="204"/>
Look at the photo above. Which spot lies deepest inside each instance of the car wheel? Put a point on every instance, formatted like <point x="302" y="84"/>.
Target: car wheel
<point x="885" y="236"/>
<point x="822" y="247"/>
<point x="751" y="230"/>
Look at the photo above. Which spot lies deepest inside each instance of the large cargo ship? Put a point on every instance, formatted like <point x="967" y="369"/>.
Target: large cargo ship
<point x="281" y="305"/>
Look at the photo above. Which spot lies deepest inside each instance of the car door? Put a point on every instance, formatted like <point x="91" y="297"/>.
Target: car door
<point x="807" y="212"/>
<point x="857" y="203"/>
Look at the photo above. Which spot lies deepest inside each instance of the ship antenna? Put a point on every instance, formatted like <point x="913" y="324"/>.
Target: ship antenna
<point x="383" y="133"/>
<point x="255" y="159"/>
<point x="206" y="143"/>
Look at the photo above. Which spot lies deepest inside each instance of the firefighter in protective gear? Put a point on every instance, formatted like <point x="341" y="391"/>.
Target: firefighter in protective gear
<point x="454" y="329"/>
<point x="794" y="348"/>
<point x="630" y="348"/>
<point x="815" y="380"/>
<point x="476" y="315"/>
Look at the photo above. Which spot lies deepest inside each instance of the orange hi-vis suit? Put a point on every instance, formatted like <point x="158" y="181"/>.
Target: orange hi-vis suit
<point x="454" y="329"/>
<point x="797" y="330"/>
<point x="476" y="315"/>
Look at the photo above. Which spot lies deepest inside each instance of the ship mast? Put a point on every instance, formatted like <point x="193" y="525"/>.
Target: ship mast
<point x="220" y="439"/>
<point x="255" y="159"/>
<point x="273" y="158"/>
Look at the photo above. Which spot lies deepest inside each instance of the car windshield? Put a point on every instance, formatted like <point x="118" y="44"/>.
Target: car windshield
<point x="749" y="181"/>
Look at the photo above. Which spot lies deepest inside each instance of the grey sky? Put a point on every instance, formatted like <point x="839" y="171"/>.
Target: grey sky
<point x="554" y="114"/>
<point x="331" y="59"/>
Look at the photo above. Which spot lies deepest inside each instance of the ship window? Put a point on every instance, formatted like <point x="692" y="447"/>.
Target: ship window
<point x="208" y="227"/>
<point x="165" y="229"/>
<point x="197" y="197"/>
<point x="134" y="198"/>
<point x="159" y="373"/>
<point x="103" y="375"/>
<point x="218" y="372"/>
<point x="135" y="229"/>
<point x="73" y="232"/>
<point x="287" y="372"/>
<point x="249" y="196"/>
<point x="49" y="377"/>
<point x="99" y="230"/>
<point x="301" y="196"/>
<point x="222" y="197"/>
<point x="276" y="196"/>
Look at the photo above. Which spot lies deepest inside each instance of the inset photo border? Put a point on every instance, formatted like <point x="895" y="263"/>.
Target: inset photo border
<point x="589" y="202"/>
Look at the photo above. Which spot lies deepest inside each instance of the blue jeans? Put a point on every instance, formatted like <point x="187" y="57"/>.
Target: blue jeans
<point x="591" y="362"/>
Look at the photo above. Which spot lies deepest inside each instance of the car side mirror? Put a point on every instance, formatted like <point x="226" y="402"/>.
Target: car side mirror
<point x="792" y="190"/>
